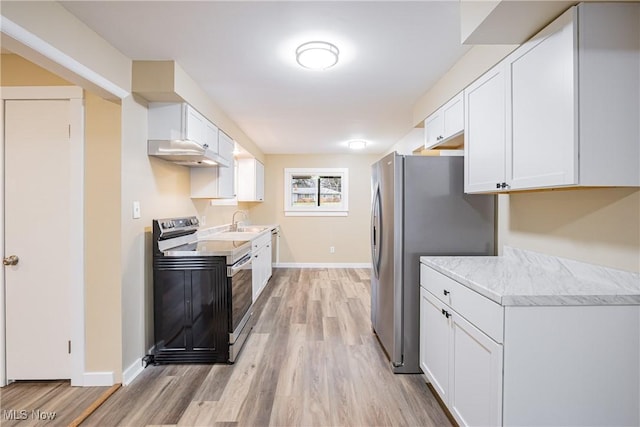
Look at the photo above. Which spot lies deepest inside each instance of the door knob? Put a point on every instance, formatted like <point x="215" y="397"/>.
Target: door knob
<point x="11" y="260"/>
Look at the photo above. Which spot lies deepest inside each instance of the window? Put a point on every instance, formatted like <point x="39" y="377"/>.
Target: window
<point x="316" y="192"/>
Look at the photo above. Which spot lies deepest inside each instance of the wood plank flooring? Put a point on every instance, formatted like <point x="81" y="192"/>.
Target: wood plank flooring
<point x="47" y="397"/>
<point x="311" y="360"/>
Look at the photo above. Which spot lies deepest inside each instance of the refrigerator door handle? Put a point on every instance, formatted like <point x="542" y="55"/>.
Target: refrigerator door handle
<point x="376" y="232"/>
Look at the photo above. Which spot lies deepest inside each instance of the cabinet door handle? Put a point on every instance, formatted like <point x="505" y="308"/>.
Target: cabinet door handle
<point x="504" y="185"/>
<point x="446" y="292"/>
<point x="446" y="313"/>
<point x="497" y="185"/>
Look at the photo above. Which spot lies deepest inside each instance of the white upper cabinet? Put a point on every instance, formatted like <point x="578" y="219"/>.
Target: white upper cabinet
<point x="178" y="121"/>
<point x="216" y="182"/>
<point x="446" y="123"/>
<point x="226" y="181"/>
<point x="572" y="106"/>
<point x="195" y="125"/>
<point x="250" y="180"/>
<point x="543" y="149"/>
<point x="485" y="132"/>
<point x="211" y="136"/>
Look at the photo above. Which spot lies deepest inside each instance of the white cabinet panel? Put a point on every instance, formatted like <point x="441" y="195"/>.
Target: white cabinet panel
<point x="453" y="116"/>
<point x="211" y="136"/>
<point x="476" y="375"/>
<point x="226" y="182"/>
<point x="215" y="182"/>
<point x="485" y="132"/>
<point x="262" y="268"/>
<point x="433" y="129"/>
<point x="250" y="180"/>
<point x="259" y="181"/>
<point x="543" y="141"/>
<point x="434" y="343"/>
<point x="446" y="123"/>
<point x="195" y="125"/>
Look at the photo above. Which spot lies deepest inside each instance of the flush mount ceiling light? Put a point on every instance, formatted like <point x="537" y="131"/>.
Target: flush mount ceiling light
<point x="317" y="55"/>
<point x="357" y="144"/>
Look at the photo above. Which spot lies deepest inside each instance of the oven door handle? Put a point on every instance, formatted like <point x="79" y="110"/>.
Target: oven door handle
<point x="235" y="268"/>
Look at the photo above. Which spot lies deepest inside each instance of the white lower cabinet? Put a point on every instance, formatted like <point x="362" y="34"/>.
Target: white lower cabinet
<point x="435" y="334"/>
<point x="528" y="365"/>
<point x="463" y="364"/>
<point x="262" y="269"/>
<point x="475" y="376"/>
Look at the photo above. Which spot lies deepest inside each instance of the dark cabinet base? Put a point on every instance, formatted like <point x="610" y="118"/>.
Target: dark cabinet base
<point x="191" y="310"/>
<point x="165" y="356"/>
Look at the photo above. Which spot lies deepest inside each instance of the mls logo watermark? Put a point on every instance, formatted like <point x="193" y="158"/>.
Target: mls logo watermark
<point x="23" y="414"/>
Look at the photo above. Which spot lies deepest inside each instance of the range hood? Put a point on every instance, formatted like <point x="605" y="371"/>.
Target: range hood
<point x="186" y="153"/>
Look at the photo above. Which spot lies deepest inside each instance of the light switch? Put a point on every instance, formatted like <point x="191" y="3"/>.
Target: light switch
<point x="136" y="209"/>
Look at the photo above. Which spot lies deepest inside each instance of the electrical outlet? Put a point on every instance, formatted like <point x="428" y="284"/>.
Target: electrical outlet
<point x="136" y="209"/>
<point x="332" y="249"/>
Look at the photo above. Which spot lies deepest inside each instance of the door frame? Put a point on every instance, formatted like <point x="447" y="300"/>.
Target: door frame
<point x="76" y="239"/>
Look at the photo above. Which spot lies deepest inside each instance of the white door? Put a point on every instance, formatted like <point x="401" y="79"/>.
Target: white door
<point x="37" y="229"/>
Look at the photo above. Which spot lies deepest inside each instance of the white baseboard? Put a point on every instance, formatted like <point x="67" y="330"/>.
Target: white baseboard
<point x="134" y="369"/>
<point x="323" y="265"/>
<point x="98" y="379"/>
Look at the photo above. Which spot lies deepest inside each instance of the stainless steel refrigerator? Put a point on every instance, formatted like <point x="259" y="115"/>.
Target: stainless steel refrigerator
<point x="419" y="208"/>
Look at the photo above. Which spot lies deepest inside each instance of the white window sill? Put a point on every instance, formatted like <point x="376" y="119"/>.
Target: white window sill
<point x="316" y="213"/>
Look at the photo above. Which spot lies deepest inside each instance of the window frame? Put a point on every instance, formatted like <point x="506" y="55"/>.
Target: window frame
<point x="341" y="210"/>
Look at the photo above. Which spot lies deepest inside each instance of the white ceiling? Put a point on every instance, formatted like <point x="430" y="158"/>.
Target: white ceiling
<point x="243" y="55"/>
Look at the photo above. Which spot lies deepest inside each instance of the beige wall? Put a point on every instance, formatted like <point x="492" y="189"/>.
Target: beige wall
<point x="102" y="229"/>
<point x="599" y="226"/>
<point x="220" y="214"/>
<point x="307" y="239"/>
<point x="102" y="220"/>
<point x="468" y="68"/>
<point x="162" y="188"/>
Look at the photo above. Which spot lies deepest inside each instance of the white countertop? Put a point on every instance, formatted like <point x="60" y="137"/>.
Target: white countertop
<point x="523" y="278"/>
<point x="222" y="232"/>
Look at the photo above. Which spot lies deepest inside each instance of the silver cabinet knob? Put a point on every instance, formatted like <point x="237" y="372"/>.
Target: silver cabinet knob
<point x="11" y="260"/>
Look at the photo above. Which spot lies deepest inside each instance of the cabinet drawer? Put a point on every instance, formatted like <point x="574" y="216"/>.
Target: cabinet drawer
<point x="260" y="241"/>
<point x="483" y="313"/>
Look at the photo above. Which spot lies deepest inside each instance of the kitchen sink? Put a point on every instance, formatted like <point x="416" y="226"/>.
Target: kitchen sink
<point x="252" y="228"/>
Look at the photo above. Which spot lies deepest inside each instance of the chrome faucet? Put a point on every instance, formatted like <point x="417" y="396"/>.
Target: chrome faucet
<point x="234" y="223"/>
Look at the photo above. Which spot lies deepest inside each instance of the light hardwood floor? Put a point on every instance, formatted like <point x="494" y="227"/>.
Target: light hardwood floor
<point x="47" y="397"/>
<point x="311" y="360"/>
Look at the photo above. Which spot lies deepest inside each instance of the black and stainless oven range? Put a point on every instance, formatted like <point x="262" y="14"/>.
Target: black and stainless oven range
<point x="202" y="294"/>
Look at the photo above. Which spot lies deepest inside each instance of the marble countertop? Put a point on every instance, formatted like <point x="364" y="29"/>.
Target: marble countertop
<point x="523" y="278"/>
